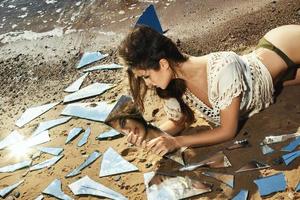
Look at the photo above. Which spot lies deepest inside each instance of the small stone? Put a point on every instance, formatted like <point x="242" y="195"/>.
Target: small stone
<point x="17" y="194"/>
<point x="83" y="152"/>
<point x="142" y="160"/>
<point x="117" y="178"/>
<point x="148" y="165"/>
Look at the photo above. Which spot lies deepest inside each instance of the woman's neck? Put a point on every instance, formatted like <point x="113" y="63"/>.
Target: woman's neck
<point x="194" y="67"/>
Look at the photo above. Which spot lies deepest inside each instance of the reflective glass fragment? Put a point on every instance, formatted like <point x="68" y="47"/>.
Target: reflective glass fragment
<point x="84" y="138"/>
<point x="253" y="165"/>
<point x="46" y="163"/>
<point x="12" y="138"/>
<point x="50" y="124"/>
<point x="270" y="184"/>
<point x="228" y="179"/>
<point x="105" y="66"/>
<point x="54" y="189"/>
<point x="14" y="167"/>
<point x="90" y="57"/>
<point x="242" y="195"/>
<point x="288" y="158"/>
<point x="76" y="84"/>
<point x="8" y="189"/>
<point x="108" y="134"/>
<point x="51" y="150"/>
<point x="72" y="134"/>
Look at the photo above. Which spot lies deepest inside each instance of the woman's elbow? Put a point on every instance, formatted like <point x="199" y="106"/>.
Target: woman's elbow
<point x="228" y="134"/>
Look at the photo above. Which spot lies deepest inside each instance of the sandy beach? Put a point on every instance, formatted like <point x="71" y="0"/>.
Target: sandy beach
<point x="35" y="68"/>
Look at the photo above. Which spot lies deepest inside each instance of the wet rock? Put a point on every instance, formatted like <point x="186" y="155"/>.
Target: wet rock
<point x="17" y="194"/>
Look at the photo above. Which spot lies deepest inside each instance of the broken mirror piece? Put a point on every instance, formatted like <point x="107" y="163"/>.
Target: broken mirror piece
<point x="51" y="150"/>
<point x="90" y="57"/>
<point x="88" y="91"/>
<point x="87" y="186"/>
<point x="92" y="111"/>
<point x="279" y="138"/>
<point x="238" y="144"/>
<point x="12" y="138"/>
<point x="149" y="18"/>
<point x="14" y="167"/>
<point x="253" y="165"/>
<point x="288" y="158"/>
<point x="160" y="187"/>
<point x="242" y="195"/>
<point x="297" y="188"/>
<point x="87" y="162"/>
<point x="84" y="138"/>
<point x="34" y="112"/>
<point x="8" y="189"/>
<point x="46" y="163"/>
<point x="108" y="134"/>
<point x="292" y="146"/>
<point x="50" y="124"/>
<point x="218" y="160"/>
<point x="177" y="156"/>
<point x="113" y="163"/>
<point x="72" y="134"/>
<point x="54" y="189"/>
<point x="228" y="179"/>
<point x="101" y="67"/>
<point x="266" y="149"/>
<point x="270" y="184"/>
<point x="76" y="84"/>
<point x="40" y="197"/>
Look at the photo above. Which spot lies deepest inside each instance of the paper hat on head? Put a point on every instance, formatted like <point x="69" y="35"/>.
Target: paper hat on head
<point x="149" y="18"/>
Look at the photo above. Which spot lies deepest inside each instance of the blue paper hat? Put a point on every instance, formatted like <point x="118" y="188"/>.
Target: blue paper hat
<point x="149" y="18"/>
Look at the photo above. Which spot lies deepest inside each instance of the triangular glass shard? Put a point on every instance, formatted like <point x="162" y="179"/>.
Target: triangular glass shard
<point x="72" y="134"/>
<point x="253" y="165"/>
<point x="149" y="18"/>
<point x="242" y="195"/>
<point x="50" y="124"/>
<point x="90" y="57"/>
<point x="113" y="163"/>
<point x="160" y="187"/>
<point x="76" y="84"/>
<point x="238" y="144"/>
<point x="92" y="111"/>
<point x="266" y="149"/>
<point x="218" y="160"/>
<point x="87" y="186"/>
<point x="89" y="91"/>
<point x="33" y="112"/>
<point x="293" y="145"/>
<point x="8" y="189"/>
<point x="228" y="179"/>
<point x="54" y="189"/>
<point x="280" y="138"/>
<point x="288" y="158"/>
<point x="270" y="184"/>
<point x="297" y="188"/>
<point x="12" y="138"/>
<point x="40" y="197"/>
<point x="87" y="162"/>
<point x="51" y="150"/>
<point x="84" y="138"/>
<point x="177" y="155"/>
<point x="14" y="167"/>
<point x="101" y="67"/>
<point x="108" y="134"/>
<point x="46" y="163"/>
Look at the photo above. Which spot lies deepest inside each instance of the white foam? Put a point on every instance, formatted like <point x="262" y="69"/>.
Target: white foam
<point x="78" y="3"/>
<point x="24" y="8"/>
<point x="23" y="16"/>
<point x="51" y="1"/>
<point x="58" y="10"/>
<point x="11" y="6"/>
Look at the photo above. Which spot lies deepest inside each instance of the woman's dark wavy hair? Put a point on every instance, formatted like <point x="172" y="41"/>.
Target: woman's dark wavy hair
<point x="142" y="49"/>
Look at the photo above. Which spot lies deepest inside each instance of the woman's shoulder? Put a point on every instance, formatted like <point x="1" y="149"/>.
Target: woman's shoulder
<point x="222" y="56"/>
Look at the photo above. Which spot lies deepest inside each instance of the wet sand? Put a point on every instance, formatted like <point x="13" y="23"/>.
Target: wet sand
<point x="36" y="72"/>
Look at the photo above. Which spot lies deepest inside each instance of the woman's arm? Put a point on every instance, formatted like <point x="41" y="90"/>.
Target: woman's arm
<point x="227" y="130"/>
<point x="171" y="127"/>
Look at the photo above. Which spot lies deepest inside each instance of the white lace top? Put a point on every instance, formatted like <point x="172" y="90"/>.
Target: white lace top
<point x="229" y="76"/>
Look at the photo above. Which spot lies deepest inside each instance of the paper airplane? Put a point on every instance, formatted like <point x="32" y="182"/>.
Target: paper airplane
<point x="90" y="57"/>
<point x="271" y="184"/>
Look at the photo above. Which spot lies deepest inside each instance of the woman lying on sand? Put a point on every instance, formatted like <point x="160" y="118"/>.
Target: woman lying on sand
<point x="223" y="86"/>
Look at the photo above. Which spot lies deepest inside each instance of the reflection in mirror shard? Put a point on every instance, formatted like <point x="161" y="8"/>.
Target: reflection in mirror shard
<point x="228" y="179"/>
<point x="239" y="144"/>
<point x="218" y="160"/>
<point x="46" y="163"/>
<point x="87" y="162"/>
<point x="242" y="195"/>
<point x="90" y="57"/>
<point x="49" y="124"/>
<point x="54" y="189"/>
<point x="92" y="111"/>
<point x="76" y="84"/>
<point x="12" y="138"/>
<point x="159" y="187"/>
<point x="288" y="158"/>
<point x="41" y="197"/>
<point x="8" y="189"/>
<point x="253" y="165"/>
<point x="108" y="134"/>
<point x="14" y="167"/>
<point x="105" y="66"/>
<point x="266" y="149"/>
<point x="84" y="138"/>
<point x="51" y="150"/>
<point x="87" y="186"/>
<point x="293" y="145"/>
<point x="113" y="163"/>
<point x="72" y="134"/>
<point x="271" y="184"/>
<point x="89" y="91"/>
<point x="33" y="112"/>
<point x="177" y="155"/>
<point x="279" y="138"/>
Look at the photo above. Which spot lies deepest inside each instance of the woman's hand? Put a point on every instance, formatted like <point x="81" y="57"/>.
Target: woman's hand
<point x="162" y="145"/>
